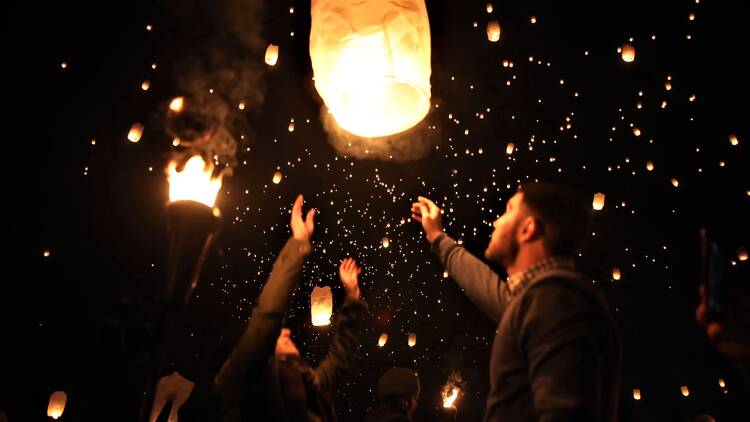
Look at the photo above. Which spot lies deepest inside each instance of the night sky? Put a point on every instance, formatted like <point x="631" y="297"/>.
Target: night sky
<point x="92" y="244"/>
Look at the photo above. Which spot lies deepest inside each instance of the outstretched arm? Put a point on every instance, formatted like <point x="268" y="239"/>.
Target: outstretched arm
<point x="342" y="354"/>
<point x="479" y="282"/>
<point x="258" y="340"/>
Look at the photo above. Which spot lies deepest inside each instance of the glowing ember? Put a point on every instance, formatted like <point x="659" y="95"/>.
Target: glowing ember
<point x="382" y="340"/>
<point x="194" y="183"/>
<point x="135" y="133"/>
<point x="493" y="31"/>
<point x="448" y="400"/>
<point x="598" y="203"/>
<point x="272" y="54"/>
<point x="412" y="339"/>
<point x="371" y="63"/>
<point x="628" y="53"/>
<point x="177" y="104"/>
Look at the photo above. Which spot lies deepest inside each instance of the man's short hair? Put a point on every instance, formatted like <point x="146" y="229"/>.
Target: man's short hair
<point x="564" y="214"/>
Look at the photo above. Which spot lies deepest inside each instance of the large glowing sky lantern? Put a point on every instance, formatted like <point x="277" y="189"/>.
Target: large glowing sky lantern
<point x="371" y="61"/>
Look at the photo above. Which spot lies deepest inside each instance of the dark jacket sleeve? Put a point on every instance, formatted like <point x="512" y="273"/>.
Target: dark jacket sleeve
<point x="342" y="354"/>
<point x="561" y="334"/>
<point x="259" y="338"/>
<point x="480" y="283"/>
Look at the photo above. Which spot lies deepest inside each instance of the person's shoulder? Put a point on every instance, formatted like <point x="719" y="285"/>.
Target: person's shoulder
<point x="559" y="289"/>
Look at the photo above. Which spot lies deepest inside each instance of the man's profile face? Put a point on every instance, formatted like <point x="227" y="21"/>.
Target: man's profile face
<point x="285" y="347"/>
<point x="504" y="245"/>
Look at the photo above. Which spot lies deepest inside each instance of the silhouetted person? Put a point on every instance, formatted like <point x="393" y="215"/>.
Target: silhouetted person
<point x="556" y="354"/>
<point x="398" y="392"/>
<point x="264" y="378"/>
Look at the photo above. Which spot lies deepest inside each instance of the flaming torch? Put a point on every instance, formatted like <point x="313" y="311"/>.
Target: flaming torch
<point x="450" y="394"/>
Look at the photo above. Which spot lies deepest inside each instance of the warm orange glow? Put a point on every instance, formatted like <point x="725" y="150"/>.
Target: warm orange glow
<point x="684" y="390"/>
<point x="490" y="8"/>
<point x="637" y="394"/>
<point x="321" y="305"/>
<point x="509" y="148"/>
<point x="145" y="85"/>
<point x="675" y="182"/>
<point x="628" y="53"/>
<point x="450" y="399"/>
<point x="616" y="275"/>
<point x="493" y="31"/>
<point x="412" y="339"/>
<point x="371" y="62"/>
<point x="135" y="133"/>
<point x="277" y="177"/>
<point x="668" y="86"/>
<point x="649" y="166"/>
<point x="598" y="203"/>
<point x="722" y="384"/>
<point x="636" y="131"/>
<point x="742" y="254"/>
<point x="194" y="183"/>
<point x="56" y="404"/>
<point x="533" y="20"/>
<point x="290" y="128"/>
<point x="382" y="340"/>
<point x="177" y="104"/>
<point x="46" y="253"/>
<point x="386" y="242"/>
<point x="272" y="54"/>
<point x="733" y="140"/>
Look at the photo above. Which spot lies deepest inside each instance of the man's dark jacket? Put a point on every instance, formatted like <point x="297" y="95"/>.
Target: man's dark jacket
<point x="254" y="386"/>
<point x="556" y="354"/>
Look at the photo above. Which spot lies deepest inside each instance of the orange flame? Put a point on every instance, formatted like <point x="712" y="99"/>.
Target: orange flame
<point x="448" y="400"/>
<point x="194" y="183"/>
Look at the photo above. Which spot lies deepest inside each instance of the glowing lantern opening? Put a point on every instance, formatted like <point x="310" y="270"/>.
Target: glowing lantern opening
<point x="616" y="275"/>
<point x="272" y="54"/>
<point x="386" y="242"/>
<point x="598" y="201"/>
<point x="628" y="53"/>
<point x="412" y="339"/>
<point x="733" y="140"/>
<point x="135" y="133"/>
<point x="321" y="305"/>
<point x="382" y="340"/>
<point x="509" y="148"/>
<point x="56" y="404"/>
<point x="371" y="61"/>
<point x="490" y="8"/>
<point x="637" y="394"/>
<point x="493" y="31"/>
<point x="194" y="183"/>
<point x="650" y="166"/>
<point x="742" y="254"/>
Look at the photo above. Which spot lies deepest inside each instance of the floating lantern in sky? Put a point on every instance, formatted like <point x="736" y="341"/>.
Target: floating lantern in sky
<point x="533" y="20"/>
<point x="490" y="8"/>
<point x="733" y="140"/>
<point x="277" y="177"/>
<point x="675" y="182"/>
<point x="46" y="253"/>
<point x="722" y="384"/>
<point x="371" y="61"/>
<point x="382" y="340"/>
<point x="177" y="104"/>
<point x="321" y="305"/>
<point x="636" y="131"/>
<point x="386" y="242"/>
<point x="598" y="201"/>
<point x="685" y="391"/>
<point x="145" y="85"/>
<point x="493" y="31"/>
<point x="616" y="275"/>
<point x="135" y="133"/>
<point x="272" y="54"/>
<point x="195" y="182"/>
<point x="56" y="404"/>
<point x="636" y="394"/>
<point x="742" y="254"/>
<point x="241" y="105"/>
<point x="412" y="339"/>
<point x="628" y="53"/>
<point x="509" y="148"/>
<point x="290" y="128"/>
<point x="668" y="86"/>
<point x="649" y="165"/>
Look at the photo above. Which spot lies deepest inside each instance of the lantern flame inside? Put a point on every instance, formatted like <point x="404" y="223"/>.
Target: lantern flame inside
<point x="195" y="182"/>
<point x="448" y="400"/>
<point x="371" y="61"/>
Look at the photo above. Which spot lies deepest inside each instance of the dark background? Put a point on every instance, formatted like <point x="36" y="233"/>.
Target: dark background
<point x="77" y="320"/>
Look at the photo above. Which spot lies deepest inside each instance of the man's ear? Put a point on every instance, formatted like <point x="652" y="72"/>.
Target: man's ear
<point x="530" y="230"/>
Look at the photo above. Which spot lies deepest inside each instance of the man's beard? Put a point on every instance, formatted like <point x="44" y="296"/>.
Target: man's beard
<point x="507" y="248"/>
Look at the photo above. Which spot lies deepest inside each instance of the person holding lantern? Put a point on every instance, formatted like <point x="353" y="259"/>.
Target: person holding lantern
<point x="556" y="355"/>
<point x="264" y="377"/>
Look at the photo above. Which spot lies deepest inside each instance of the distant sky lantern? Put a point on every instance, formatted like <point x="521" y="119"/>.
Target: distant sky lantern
<point x="490" y="8"/>
<point x="382" y="340"/>
<point x="177" y="104"/>
<point x="649" y="165"/>
<point x="493" y="31"/>
<point x="386" y="242"/>
<point x="675" y="182"/>
<point x="412" y="339"/>
<point x="241" y="105"/>
<point x="733" y="140"/>
<point x="145" y="85"/>
<point x="636" y="394"/>
<point x="277" y="177"/>
<point x="616" y="275"/>
<point x="636" y="131"/>
<point x="135" y="133"/>
<point x="445" y="274"/>
<point x="628" y="53"/>
<point x="195" y="182"/>
<point x="272" y="54"/>
<point x="56" y="404"/>
<point x="722" y="384"/>
<point x="533" y="20"/>
<point x="509" y="148"/>
<point x="684" y="390"/>
<point x="290" y="128"/>
<point x="598" y="201"/>
<point x="371" y="62"/>
<point x="742" y="254"/>
<point x="321" y="305"/>
<point x="46" y="253"/>
<point x="668" y="86"/>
